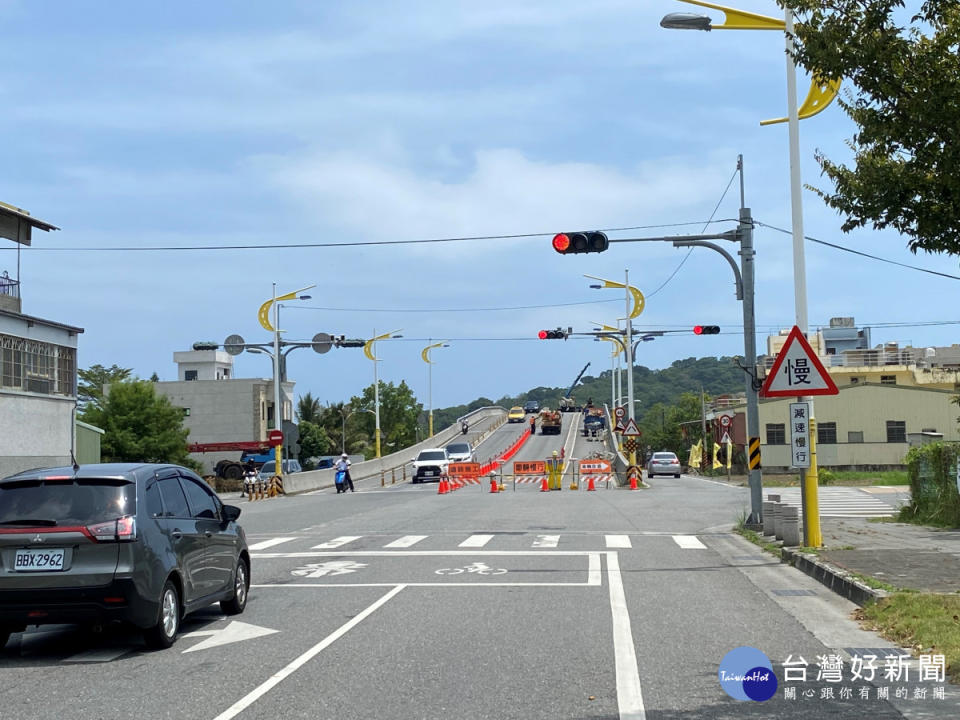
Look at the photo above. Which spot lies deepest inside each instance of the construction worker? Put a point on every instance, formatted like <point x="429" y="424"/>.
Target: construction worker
<point x="533" y="425"/>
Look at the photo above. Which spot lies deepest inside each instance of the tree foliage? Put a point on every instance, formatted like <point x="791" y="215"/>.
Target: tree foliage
<point x="140" y="426"/>
<point x="308" y="409"/>
<point x="91" y="382"/>
<point x="399" y="411"/>
<point x="902" y="78"/>
<point x="314" y="441"/>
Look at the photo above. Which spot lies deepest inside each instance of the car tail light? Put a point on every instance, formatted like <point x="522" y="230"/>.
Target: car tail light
<point x="120" y="530"/>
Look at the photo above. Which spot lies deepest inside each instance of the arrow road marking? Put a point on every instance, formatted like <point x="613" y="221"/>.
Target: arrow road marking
<point x="234" y="632"/>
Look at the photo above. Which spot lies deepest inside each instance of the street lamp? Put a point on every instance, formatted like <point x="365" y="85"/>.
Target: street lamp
<point x="368" y="349"/>
<point x="425" y="354"/>
<point x="264" y="317"/>
<point x="820" y="95"/>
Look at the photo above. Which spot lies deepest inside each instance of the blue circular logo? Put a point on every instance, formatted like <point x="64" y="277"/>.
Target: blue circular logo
<point x="746" y="674"/>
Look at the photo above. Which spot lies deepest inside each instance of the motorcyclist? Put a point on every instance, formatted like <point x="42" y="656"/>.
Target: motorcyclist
<point x="464" y="427"/>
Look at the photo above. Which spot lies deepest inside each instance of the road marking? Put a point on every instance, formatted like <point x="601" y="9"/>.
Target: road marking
<point x="98" y="655"/>
<point x="278" y="677"/>
<point x="337" y="542"/>
<point x="476" y="541"/>
<point x="546" y="541"/>
<point x="629" y="695"/>
<point x="618" y="541"/>
<point x="236" y="631"/>
<point x="689" y="542"/>
<point x="406" y="541"/>
<point x="264" y="544"/>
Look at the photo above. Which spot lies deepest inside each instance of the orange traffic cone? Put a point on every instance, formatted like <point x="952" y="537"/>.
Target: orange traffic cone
<point x="633" y="481"/>
<point x="494" y="487"/>
<point x="442" y="487"/>
<point x="590" y="485"/>
<point x="543" y="485"/>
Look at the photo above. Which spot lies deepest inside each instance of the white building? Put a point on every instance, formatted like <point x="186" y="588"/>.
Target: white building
<point x="38" y="369"/>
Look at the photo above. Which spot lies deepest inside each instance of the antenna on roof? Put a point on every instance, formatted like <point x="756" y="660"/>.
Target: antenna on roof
<point x="73" y="460"/>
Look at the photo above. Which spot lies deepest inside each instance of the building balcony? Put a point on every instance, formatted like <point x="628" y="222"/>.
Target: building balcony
<point x="9" y="293"/>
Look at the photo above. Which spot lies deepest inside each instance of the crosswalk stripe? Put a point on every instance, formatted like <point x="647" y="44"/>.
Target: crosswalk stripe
<point x="406" y="541"/>
<point x="618" y="541"/>
<point x="264" y="544"/>
<point x="546" y="541"/>
<point x="336" y="542"/>
<point x="840" y="502"/>
<point x="689" y="542"/>
<point x="476" y="541"/>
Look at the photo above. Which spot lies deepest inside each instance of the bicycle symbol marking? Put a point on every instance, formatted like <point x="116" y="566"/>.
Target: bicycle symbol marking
<point x="334" y="567"/>
<point x="477" y="568"/>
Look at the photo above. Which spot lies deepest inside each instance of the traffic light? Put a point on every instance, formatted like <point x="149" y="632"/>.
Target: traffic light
<point x="580" y="242"/>
<point x="552" y="334"/>
<point x="706" y="329"/>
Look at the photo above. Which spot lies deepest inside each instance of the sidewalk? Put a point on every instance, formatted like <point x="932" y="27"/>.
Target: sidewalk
<point x="906" y="556"/>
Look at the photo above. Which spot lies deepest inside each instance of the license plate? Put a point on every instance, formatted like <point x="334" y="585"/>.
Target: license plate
<point x="428" y="472"/>
<point x="38" y="560"/>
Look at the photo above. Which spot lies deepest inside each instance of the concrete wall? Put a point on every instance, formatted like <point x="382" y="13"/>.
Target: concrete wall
<point x="35" y="431"/>
<point x="317" y="479"/>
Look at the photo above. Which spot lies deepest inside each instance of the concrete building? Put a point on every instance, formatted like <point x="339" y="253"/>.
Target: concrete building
<point x="38" y="368"/>
<point x="219" y="408"/>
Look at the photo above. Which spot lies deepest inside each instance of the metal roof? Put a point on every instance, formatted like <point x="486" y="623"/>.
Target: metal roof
<point x="16" y="224"/>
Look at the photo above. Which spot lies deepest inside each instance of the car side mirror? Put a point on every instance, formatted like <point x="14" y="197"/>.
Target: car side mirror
<point x="230" y="513"/>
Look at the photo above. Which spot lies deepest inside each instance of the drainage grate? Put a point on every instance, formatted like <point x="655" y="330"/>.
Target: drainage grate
<point x="793" y="593"/>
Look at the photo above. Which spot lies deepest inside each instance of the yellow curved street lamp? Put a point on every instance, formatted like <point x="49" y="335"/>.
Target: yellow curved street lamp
<point x="425" y="354"/>
<point x="369" y="347"/>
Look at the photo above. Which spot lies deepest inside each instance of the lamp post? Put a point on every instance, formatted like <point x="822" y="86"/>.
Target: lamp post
<point x="264" y="317"/>
<point x="820" y="95"/>
<point x="368" y="349"/>
<point x="425" y="354"/>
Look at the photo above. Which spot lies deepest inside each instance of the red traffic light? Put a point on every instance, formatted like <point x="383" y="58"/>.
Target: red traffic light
<point x="698" y="329"/>
<point x="542" y="334"/>
<point x="706" y="329"/>
<point x="580" y="242"/>
<point x="561" y="243"/>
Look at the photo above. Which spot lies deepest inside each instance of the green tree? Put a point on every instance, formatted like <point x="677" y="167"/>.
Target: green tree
<point x="314" y="441"/>
<point x="399" y="411"/>
<point x="902" y="90"/>
<point x="140" y="426"/>
<point x="308" y="409"/>
<point x="91" y="382"/>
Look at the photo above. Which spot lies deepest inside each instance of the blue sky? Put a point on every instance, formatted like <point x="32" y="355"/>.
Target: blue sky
<point x="245" y="123"/>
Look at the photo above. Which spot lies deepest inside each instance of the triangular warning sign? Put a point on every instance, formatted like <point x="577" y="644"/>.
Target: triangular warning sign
<point x="797" y="371"/>
<point x="631" y="429"/>
<point x="725" y="440"/>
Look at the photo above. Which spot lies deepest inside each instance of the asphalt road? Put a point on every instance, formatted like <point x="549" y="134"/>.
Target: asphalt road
<point x="401" y="603"/>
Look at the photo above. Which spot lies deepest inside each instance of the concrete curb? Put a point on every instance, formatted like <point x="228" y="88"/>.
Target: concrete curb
<point x="833" y="577"/>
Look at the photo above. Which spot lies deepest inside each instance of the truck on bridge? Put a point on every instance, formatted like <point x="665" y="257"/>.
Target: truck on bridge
<point x="567" y="403"/>
<point x="254" y="453"/>
<point x="550" y="422"/>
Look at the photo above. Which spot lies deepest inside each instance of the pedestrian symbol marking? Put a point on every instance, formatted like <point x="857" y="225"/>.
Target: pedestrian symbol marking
<point x="333" y="567"/>
<point x="797" y="371"/>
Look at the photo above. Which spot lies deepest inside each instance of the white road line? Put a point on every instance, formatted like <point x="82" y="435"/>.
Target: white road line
<point x="546" y="541"/>
<point x="337" y="542"/>
<point x="689" y="542"/>
<point x="264" y="544"/>
<point x="98" y="655"/>
<point x="629" y="695"/>
<point x="258" y="692"/>
<point x="593" y="573"/>
<point x="476" y="541"/>
<point x="406" y="541"/>
<point x="419" y="553"/>
<point x="618" y="541"/>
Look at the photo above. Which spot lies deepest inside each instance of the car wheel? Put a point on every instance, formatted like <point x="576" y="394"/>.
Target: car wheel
<point x="241" y="588"/>
<point x="164" y="633"/>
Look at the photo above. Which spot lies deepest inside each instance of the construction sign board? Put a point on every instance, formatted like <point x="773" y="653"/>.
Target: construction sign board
<point x="797" y="371"/>
<point x="594" y="465"/>
<point x="631" y="429"/>
<point x="468" y="469"/>
<point x="529" y="467"/>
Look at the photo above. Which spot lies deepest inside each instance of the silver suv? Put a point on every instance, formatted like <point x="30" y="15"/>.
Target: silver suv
<point x="140" y="543"/>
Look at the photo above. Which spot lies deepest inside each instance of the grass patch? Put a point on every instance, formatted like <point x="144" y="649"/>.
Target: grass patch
<point x="849" y="478"/>
<point x="872" y="582"/>
<point x="934" y="518"/>
<point x="927" y="623"/>
<point x="758" y="540"/>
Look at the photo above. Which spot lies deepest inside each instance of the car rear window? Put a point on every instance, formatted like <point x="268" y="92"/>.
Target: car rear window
<point x="664" y="456"/>
<point x="432" y="455"/>
<point x="458" y="448"/>
<point x="77" y="501"/>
